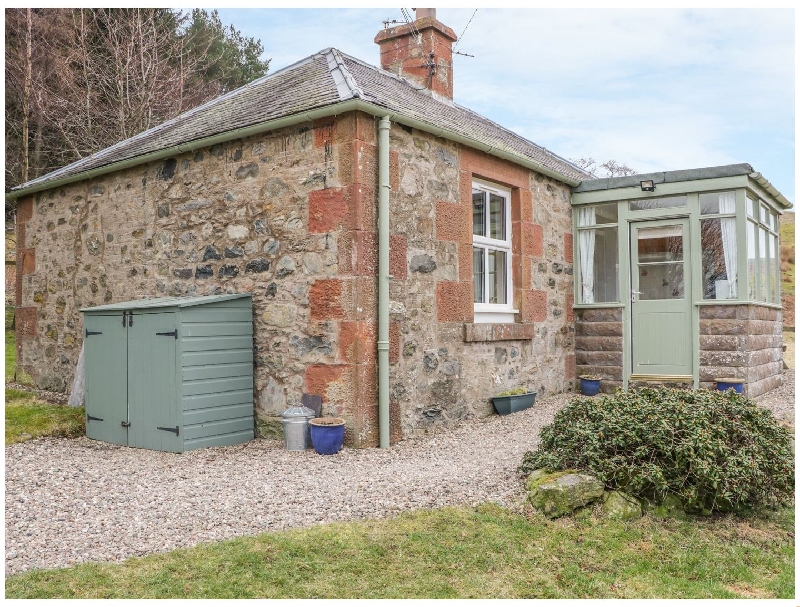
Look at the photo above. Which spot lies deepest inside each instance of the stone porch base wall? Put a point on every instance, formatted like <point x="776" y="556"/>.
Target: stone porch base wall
<point x="598" y="345"/>
<point x="744" y="342"/>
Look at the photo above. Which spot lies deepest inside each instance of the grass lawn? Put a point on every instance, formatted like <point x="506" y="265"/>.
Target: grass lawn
<point x="458" y="553"/>
<point x="28" y="418"/>
<point x="11" y="355"/>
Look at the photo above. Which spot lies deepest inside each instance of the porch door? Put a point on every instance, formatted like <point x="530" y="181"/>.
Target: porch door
<point x="661" y="300"/>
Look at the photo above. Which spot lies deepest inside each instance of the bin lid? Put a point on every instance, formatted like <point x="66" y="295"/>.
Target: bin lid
<point x="298" y="412"/>
<point x="165" y="302"/>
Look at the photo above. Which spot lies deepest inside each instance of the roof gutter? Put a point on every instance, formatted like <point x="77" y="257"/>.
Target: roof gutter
<point x="773" y="191"/>
<point x="467" y="141"/>
<point x="271" y="125"/>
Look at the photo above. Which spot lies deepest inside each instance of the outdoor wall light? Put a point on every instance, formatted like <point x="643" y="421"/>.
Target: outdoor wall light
<point x="648" y="186"/>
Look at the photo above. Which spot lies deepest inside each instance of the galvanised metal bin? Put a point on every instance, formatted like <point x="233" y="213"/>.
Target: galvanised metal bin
<point x="170" y="374"/>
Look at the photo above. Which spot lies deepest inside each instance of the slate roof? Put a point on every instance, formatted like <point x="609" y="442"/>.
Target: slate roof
<point x="321" y="80"/>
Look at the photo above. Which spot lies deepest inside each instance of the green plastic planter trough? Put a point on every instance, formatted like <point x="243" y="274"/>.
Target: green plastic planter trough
<point x="505" y="405"/>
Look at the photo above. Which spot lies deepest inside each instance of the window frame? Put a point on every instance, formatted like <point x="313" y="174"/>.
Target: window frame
<point x="701" y="217"/>
<point x="771" y="259"/>
<point x="577" y="229"/>
<point x="488" y="312"/>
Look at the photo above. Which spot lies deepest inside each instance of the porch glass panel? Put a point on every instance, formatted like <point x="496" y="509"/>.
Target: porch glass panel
<point x="598" y="265"/>
<point x="763" y="269"/>
<point x="752" y="260"/>
<point x="658" y="203"/>
<point x="661" y="281"/>
<point x="718" y="244"/>
<point x="774" y="290"/>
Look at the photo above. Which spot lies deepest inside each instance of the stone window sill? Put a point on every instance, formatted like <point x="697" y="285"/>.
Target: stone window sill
<point x="475" y="332"/>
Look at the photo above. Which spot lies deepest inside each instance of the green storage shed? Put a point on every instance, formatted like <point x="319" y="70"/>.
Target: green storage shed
<point x="170" y="374"/>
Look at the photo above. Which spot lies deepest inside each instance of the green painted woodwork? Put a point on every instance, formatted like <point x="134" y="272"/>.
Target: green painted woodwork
<point x="662" y="190"/>
<point x="661" y="309"/>
<point x="106" y="385"/>
<point x="200" y="382"/>
<point x="152" y="388"/>
<point x="743" y="185"/>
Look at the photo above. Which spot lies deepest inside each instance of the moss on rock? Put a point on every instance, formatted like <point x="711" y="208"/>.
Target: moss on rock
<point x="560" y="493"/>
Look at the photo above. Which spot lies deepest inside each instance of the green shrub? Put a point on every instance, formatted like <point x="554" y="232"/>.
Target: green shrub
<point x="714" y="450"/>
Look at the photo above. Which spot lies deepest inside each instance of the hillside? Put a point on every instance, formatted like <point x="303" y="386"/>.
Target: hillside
<point x="787" y="268"/>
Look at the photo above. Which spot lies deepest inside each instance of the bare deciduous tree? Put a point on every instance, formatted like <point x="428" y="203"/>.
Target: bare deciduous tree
<point x="609" y="168"/>
<point x="80" y="80"/>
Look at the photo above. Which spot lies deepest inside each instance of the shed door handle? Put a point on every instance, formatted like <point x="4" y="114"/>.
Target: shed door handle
<point x="170" y="334"/>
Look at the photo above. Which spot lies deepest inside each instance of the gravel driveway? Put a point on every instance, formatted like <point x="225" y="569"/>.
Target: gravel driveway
<point x="77" y="500"/>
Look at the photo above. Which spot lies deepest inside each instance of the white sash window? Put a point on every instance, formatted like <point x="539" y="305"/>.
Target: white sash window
<point x="491" y="254"/>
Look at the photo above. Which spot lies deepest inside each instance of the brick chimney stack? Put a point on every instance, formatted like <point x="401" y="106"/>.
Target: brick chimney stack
<point x="421" y="51"/>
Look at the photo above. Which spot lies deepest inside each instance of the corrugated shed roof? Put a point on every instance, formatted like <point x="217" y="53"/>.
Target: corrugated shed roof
<point x="324" y="79"/>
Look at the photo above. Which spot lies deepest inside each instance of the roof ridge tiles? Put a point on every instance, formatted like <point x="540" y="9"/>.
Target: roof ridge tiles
<point x="336" y="66"/>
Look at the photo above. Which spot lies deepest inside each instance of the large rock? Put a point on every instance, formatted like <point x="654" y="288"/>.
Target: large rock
<point x="562" y="492"/>
<point x="619" y="505"/>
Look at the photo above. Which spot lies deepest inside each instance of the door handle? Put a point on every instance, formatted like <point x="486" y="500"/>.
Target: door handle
<point x="634" y="294"/>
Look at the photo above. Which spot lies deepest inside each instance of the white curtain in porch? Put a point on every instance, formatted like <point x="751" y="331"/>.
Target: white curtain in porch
<point x="586" y="217"/>
<point x="727" y="204"/>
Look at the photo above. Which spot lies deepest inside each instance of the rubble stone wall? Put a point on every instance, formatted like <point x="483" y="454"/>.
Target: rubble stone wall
<point x="290" y="216"/>
<point x="448" y="367"/>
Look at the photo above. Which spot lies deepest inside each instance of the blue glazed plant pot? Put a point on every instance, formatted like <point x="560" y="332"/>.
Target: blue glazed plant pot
<point x="728" y="383"/>
<point x="590" y="387"/>
<point x="327" y="434"/>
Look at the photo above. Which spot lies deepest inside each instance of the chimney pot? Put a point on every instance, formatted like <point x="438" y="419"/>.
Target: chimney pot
<point x="421" y="13"/>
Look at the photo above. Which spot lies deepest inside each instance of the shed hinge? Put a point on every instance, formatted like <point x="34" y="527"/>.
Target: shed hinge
<point x="176" y="430"/>
<point x="88" y="332"/>
<point x="170" y="333"/>
<point x="125" y="424"/>
<point x="92" y="418"/>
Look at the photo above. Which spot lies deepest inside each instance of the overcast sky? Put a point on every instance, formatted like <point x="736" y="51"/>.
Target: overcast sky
<point x="655" y="89"/>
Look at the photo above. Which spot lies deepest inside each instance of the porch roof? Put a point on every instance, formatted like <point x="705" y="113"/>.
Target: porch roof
<point x="729" y="170"/>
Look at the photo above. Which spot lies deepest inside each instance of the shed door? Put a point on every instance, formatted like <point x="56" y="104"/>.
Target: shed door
<point x="106" y="354"/>
<point x="660" y="302"/>
<point x="152" y="387"/>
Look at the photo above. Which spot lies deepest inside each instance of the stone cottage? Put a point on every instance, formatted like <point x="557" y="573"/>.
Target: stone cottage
<point x="407" y="257"/>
